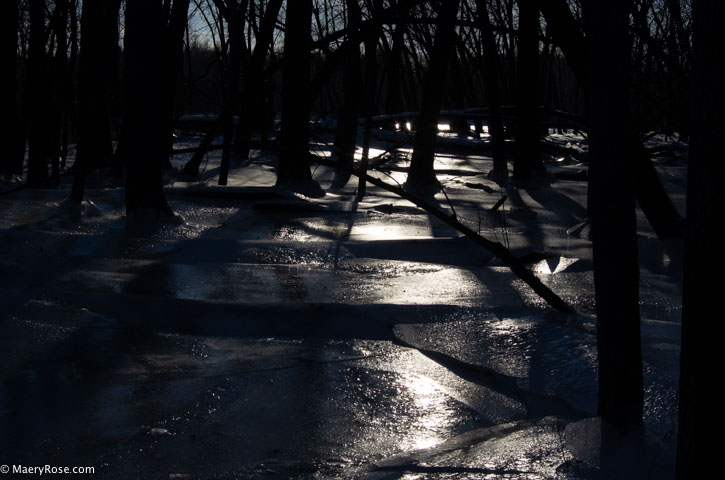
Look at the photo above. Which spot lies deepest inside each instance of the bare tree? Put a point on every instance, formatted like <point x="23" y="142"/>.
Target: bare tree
<point x="94" y="150"/>
<point x="705" y="202"/>
<point x="421" y="172"/>
<point x="346" y="133"/>
<point x="13" y="137"/>
<point x="614" y="242"/>
<point x="294" y="166"/>
<point x="490" y="79"/>
<point x="526" y="155"/>
<point x="38" y="98"/>
<point x="233" y="12"/>
<point x="144" y="112"/>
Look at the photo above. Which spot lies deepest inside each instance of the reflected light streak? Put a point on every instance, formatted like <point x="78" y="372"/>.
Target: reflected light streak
<point x="444" y="286"/>
<point x="373" y="152"/>
<point x="389" y="232"/>
<point x="434" y="415"/>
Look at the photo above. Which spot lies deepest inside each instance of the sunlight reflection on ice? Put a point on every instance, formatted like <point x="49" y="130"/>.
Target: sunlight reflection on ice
<point x="373" y="152"/>
<point x="431" y="413"/>
<point x="442" y="286"/>
<point x="431" y="401"/>
<point x="389" y="232"/>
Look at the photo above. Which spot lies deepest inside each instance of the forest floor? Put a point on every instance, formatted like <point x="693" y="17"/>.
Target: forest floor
<point x="277" y="336"/>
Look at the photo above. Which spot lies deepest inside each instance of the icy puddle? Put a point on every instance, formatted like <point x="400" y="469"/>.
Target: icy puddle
<point x="276" y="407"/>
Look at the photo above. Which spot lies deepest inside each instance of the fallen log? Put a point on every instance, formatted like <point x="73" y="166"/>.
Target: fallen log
<point x="497" y="249"/>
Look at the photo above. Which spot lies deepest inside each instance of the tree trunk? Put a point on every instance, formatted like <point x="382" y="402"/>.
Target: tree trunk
<point x="346" y="133"/>
<point x="371" y="88"/>
<point x="60" y="93"/>
<point x="394" y="94"/>
<point x="175" y="26"/>
<point x="38" y="99"/>
<point x="235" y="28"/>
<point x="13" y="137"/>
<point x="294" y="142"/>
<point x="69" y="80"/>
<point x="94" y="148"/>
<point x="612" y="210"/>
<point x="421" y="173"/>
<point x="526" y="152"/>
<point x="490" y="80"/>
<point x="705" y="203"/>
<point x="255" y="89"/>
<point x="144" y="112"/>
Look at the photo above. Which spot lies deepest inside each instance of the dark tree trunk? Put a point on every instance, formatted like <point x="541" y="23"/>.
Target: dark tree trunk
<point x="175" y="26"/>
<point x="490" y="81"/>
<point x="567" y="33"/>
<point x="421" y="172"/>
<point x="371" y="89"/>
<point x="240" y="138"/>
<point x="346" y="133"/>
<point x="144" y="111"/>
<point x="679" y="51"/>
<point x="38" y="99"/>
<point x="13" y="137"/>
<point x="705" y="203"/>
<point x="64" y="98"/>
<point x="294" y="142"/>
<point x="257" y="93"/>
<point x="526" y="152"/>
<point x="394" y="93"/>
<point x="71" y="110"/>
<point x="235" y="28"/>
<point x="57" y="105"/>
<point x="94" y="147"/>
<point x="612" y="210"/>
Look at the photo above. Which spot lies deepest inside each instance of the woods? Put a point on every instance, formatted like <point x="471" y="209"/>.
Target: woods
<point x="139" y="95"/>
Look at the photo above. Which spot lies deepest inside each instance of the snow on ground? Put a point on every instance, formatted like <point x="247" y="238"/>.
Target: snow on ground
<point x="273" y="335"/>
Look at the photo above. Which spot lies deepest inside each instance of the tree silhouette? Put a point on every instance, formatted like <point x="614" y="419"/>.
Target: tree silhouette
<point x="38" y="99"/>
<point x="294" y="142"/>
<point x="99" y="21"/>
<point x="144" y="113"/>
<point x="13" y="137"/>
<point x="421" y="173"/>
<point x="490" y="79"/>
<point x="526" y="156"/>
<point x="614" y="242"/>
<point x="346" y="133"/>
<point x="704" y="213"/>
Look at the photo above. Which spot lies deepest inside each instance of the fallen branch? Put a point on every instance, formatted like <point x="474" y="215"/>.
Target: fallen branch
<point x="501" y="252"/>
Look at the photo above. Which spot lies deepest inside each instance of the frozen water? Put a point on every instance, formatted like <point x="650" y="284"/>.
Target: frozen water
<point x="274" y="335"/>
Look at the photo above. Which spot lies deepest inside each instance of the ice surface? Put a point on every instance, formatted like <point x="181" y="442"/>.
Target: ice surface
<point x="274" y="335"/>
